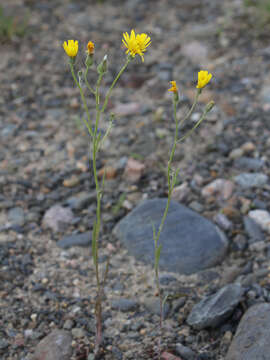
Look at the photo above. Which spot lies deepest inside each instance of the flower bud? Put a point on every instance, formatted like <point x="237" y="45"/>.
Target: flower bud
<point x="103" y="66"/>
<point x="89" y="60"/>
<point x="209" y="106"/>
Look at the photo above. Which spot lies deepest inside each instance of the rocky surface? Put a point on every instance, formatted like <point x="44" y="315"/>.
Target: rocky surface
<point x="44" y="165"/>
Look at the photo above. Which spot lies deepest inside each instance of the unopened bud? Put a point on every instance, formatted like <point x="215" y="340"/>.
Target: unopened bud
<point x="209" y="106"/>
<point x="103" y="66"/>
<point x="89" y="60"/>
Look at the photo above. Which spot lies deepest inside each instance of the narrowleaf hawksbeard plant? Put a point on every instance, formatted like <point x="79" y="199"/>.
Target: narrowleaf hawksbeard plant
<point x="135" y="44"/>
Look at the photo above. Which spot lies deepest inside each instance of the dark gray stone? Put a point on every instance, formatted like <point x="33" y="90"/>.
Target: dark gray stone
<point x="190" y="242"/>
<point x="249" y="180"/>
<point x="253" y="230"/>
<point x="84" y="239"/>
<point x="215" y="309"/>
<point x="251" y="340"/>
<point x="124" y="305"/>
<point x="185" y="352"/>
<point x="55" y="346"/>
<point x="81" y="200"/>
<point x="247" y="163"/>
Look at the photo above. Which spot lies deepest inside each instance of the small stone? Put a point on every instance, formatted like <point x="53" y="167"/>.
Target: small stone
<point x="83" y="239"/>
<point x="55" y="346"/>
<point x="127" y="109"/>
<point x="185" y="352"/>
<point x="196" y="206"/>
<point x="153" y="306"/>
<point x="249" y="180"/>
<point x="68" y="324"/>
<point x="56" y="217"/>
<point x="253" y="230"/>
<point x="16" y="216"/>
<point x="262" y="218"/>
<point x="220" y="187"/>
<point x="124" y="305"/>
<point x="72" y="181"/>
<point x="248" y="147"/>
<point x="180" y="192"/>
<point x="133" y="170"/>
<point x="3" y="344"/>
<point x="236" y="153"/>
<point x="109" y="171"/>
<point x="258" y="246"/>
<point x="81" y="200"/>
<point x="223" y="221"/>
<point x="251" y="340"/>
<point x="247" y="163"/>
<point x="215" y="309"/>
<point x="77" y="333"/>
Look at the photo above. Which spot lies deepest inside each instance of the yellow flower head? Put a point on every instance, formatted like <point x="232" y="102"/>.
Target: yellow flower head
<point x="71" y="48"/>
<point x="143" y="41"/>
<point x="136" y="44"/>
<point x="203" y="79"/>
<point x="174" y="87"/>
<point x="90" y="48"/>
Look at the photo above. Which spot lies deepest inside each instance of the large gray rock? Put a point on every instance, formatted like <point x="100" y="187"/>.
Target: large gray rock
<point x="55" y="346"/>
<point x="215" y="309"/>
<point x="190" y="242"/>
<point x="249" y="180"/>
<point x="252" y="338"/>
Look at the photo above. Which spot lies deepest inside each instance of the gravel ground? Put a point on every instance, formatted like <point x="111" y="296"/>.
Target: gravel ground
<point x="47" y="193"/>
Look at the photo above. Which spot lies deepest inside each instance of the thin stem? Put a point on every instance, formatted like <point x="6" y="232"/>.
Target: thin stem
<point x="82" y="97"/>
<point x="86" y="81"/>
<point x="192" y="108"/>
<point x="113" y="84"/>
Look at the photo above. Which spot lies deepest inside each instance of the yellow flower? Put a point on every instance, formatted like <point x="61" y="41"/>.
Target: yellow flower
<point x="136" y="44"/>
<point x="203" y="79"/>
<point x="174" y="87"/>
<point x="143" y="41"/>
<point x="71" y="48"/>
<point x="90" y="48"/>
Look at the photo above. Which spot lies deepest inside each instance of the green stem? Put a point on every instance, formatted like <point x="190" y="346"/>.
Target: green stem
<point x="86" y="81"/>
<point x="83" y="99"/>
<point x="192" y="108"/>
<point x="113" y="84"/>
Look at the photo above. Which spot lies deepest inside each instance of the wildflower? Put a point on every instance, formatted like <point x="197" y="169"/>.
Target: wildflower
<point x="90" y="48"/>
<point x="174" y="87"/>
<point x="203" y="79"/>
<point x="136" y="44"/>
<point x="143" y="41"/>
<point x="71" y="48"/>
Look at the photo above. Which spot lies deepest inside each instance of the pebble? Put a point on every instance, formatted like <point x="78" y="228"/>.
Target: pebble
<point x="236" y="153"/>
<point x="248" y="147"/>
<point x="83" y="239"/>
<point x="127" y="109"/>
<point x="220" y="187"/>
<point x="262" y="218"/>
<point x="72" y="181"/>
<point x="180" y="192"/>
<point x="190" y="242"/>
<point x="124" y="305"/>
<point x="56" y="217"/>
<point x="80" y="200"/>
<point x="249" y="180"/>
<point x="55" y="346"/>
<point x="3" y="344"/>
<point x="223" y="221"/>
<point x="77" y="333"/>
<point x="251" y="340"/>
<point x="16" y="216"/>
<point x="247" y="163"/>
<point x="185" y="352"/>
<point x="213" y="310"/>
<point x="133" y="170"/>
<point x="153" y="306"/>
<point x="253" y="230"/>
